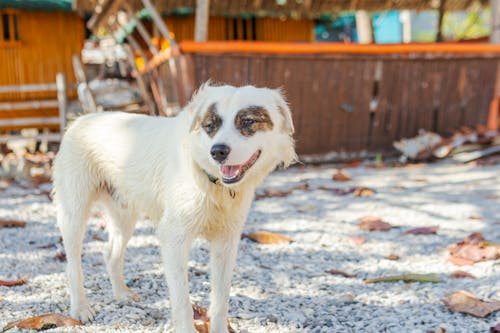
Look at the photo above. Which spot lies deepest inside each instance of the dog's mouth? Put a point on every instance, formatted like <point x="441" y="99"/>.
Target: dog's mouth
<point x="234" y="173"/>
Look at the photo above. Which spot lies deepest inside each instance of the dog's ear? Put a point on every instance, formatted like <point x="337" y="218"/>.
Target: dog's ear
<point x="284" y="111"/>
<point x="196" y="105"/>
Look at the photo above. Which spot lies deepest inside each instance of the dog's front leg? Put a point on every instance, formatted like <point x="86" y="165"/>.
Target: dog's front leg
<point x="175" y="243"/>
<point x="223" y="251"/>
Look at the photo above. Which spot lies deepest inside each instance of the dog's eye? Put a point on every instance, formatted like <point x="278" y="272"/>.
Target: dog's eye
<point x="247" y="122"/>
<point x="209" y="127"/>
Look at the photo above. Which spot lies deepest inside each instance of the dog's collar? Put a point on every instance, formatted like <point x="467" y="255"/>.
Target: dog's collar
<point x="212" y="178"/>
<point x="216" y="181"/>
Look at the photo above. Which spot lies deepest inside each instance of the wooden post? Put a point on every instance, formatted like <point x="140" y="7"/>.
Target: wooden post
<point x="141" y="29"/>
<point x="201" y="20"/>
<point x="364" y="26"/>
<point x="140" y="80"/>
<point x="84" y="93"/>
<point x="62" y="99"/>
<point x="439" y="35"/>
<point x="405" y="18"/>
<point x="495" y="22"/>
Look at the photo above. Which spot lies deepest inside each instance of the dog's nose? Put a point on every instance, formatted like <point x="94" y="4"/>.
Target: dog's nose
<point x="220" y="152"/>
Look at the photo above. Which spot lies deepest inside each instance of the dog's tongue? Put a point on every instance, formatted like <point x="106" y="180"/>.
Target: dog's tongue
<point x="230" y="171"/>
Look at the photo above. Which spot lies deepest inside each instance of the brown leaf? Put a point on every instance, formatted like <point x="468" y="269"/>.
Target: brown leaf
<point x="465" y="302"/>
<point x="12" y="224"/>
<point x="474" y="248"/>
<point x="17" y="282"/>
<point x="437" y="330"/>
<point x="364" y="192"/>
<point x="264" y="237"/>
<point x="339" y="176"/>
<point x="271" y="193"/>
<point x="457" y="261"/>
<point x="372" y="223"/>
<point x="406" y="278"/>
<point x="462" y="274"/>
<point x="60" y="255"/>
<point x="351" y="164"/>
<point x="358" y="240"/>
<point x="43" y="322"/>
<point x="97" y="237"/>
<point x="475" y="217"/>
<point x="392" y="257"/>
<point x="202" y="322"/>
<point x="337" y="272"/>
<point x="422" y="231"/>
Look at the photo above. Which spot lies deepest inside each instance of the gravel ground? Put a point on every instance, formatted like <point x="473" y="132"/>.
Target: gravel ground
<point x="284" y="288"/>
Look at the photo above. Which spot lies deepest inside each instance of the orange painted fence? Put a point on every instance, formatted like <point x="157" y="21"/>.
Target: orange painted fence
<point x="349" y="98"/>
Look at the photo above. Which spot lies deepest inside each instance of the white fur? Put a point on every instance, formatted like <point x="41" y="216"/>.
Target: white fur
<point x="137" y="165"/>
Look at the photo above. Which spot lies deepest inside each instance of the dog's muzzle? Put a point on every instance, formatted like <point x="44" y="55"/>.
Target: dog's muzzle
<point x="220" y="152"/>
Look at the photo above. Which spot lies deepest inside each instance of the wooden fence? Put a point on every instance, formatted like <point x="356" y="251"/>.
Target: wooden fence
<point x="354" y="98"/>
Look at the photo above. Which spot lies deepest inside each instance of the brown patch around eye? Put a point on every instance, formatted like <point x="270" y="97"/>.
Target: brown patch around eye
<point x="211" y="121"/>
<point x="252" y="119"/>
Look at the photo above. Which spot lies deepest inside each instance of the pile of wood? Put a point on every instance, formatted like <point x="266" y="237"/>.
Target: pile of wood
<point x="465" y="145"/>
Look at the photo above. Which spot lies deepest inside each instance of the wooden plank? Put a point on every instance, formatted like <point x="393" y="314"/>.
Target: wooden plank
<point x="9" y="106"/>
<point x="28" y="88"/>
<point x="29" y="121"/>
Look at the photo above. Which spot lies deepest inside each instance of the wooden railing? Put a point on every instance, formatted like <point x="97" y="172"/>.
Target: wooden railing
<point x="19" y="114"/>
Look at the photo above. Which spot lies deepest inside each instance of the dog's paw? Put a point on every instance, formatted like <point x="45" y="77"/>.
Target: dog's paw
<point x="84" y="313"/>
<point x="126" y="295"/>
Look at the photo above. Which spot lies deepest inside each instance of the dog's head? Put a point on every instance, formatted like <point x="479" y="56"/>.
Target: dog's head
<point x="241" y="133"/>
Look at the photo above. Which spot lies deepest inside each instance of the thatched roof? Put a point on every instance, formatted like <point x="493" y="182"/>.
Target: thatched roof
<point x="288" y="8"/>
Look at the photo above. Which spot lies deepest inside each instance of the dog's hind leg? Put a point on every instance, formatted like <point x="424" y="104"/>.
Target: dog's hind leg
<point x="72" y="223"/>
<point x="120" y="230"/>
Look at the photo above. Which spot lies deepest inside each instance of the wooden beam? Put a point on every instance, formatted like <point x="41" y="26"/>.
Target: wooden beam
<point x="141" y="29"/>
<point x="28" y="88"/>
<point x="140" y="80"/>
<point x="103" y="12"/>
<point x="159" y="22"/>
<point x="495" y="21"/>
<point x="11" y="106"/>
<point x="29" y="121"/>
<point x="201" y="20"/>
<point x="62" y="99"/>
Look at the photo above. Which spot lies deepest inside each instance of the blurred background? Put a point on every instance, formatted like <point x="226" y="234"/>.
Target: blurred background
<point x="359" y="75"/>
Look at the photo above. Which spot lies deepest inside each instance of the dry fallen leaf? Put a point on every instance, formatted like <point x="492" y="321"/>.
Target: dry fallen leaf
<point x="462" y="274"/>
<point x="202" y="322"/>
<point x="364" y="192"/>
<point x="264" y="237"/>
<point x="474" y="248"/>
<point x="272" y="193"/>
<point x="422" y="231"/>
<point x="372" y="223"/>
<point x="17" y="282"/>
<point x="465" y="302"/>
<point x="43" y="322"/>
<point x="12" y="224"/>
<point x="392" y="257"/>
<point x="437" y="330"/>
<point x="60" y="255"/>
<point x="97" y="237"/>
<point x="406" y="278"/>
<point x="475" y="217"/>
<point x="337" y="272"/>
<point x="358" y="240"/>
<point x="495" y="329"/>
<point x="339" y="176"/>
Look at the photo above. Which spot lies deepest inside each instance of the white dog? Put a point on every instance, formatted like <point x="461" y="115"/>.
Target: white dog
<point x="194" y="175"/>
